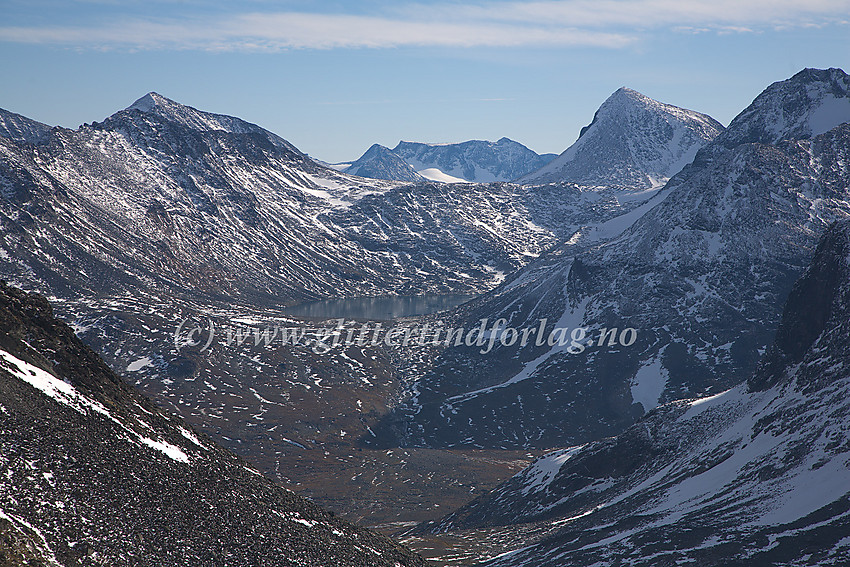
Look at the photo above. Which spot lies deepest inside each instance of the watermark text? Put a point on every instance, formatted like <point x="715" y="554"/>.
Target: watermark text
<point x="485" y="336"/>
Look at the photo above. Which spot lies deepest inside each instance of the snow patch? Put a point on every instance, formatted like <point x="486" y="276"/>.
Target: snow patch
<point x="139" y="364"/>
<point x="542" y="471"/>
<point x="65" y="393"/>
<point x="572" y="318"/>
<point x="434" y="174"/>
<point x="648" y="384"/>
<point x="167" y="449"/>
<point x="831" y="112"/>
<point x="190" y="436"/>
<point x="334" y="201"/>
<point x="50" y="385"/>
<point x="701" y="404"/>
<point x="19" y="523"/>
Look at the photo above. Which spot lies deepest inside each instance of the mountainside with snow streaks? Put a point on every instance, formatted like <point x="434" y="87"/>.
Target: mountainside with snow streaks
<point x="500" y="225"/>
<point x="756" y="475"/>
<point x="158" y="197"/>
<point x="474" y="161"/>
<point x="633" y="141"/>
<point x="22" y="129"/>
<point x="246" y="224"/>
<point x="94" y="473"/>
<point x="163" y="213"/>
<point x="699" y="277"/>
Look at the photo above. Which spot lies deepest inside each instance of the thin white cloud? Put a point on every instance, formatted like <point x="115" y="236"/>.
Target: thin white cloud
<point x="664" y="13"/>
<point x="279" y="31"/>
<point x="593" y="23"/>
<point x="325" y="31"/>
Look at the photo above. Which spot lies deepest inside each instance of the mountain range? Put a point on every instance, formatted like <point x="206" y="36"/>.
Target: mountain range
<point x="474" y="161"/>
<point x="148" y="206"/>
<point x="156" y="198"/>
<point x="700" y="277"/>
<point x="633" y="141"/>
<point x="162" y="213"/>
<point x="163" y="216"/>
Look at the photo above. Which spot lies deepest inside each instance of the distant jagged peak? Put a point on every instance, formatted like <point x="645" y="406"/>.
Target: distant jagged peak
<point x="407" y="145"/>
<point x="377" y="149"/>
<point x="479" y="161"/>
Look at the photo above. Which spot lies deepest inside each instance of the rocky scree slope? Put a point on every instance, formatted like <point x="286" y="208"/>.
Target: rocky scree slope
<point x="94" y="473"/>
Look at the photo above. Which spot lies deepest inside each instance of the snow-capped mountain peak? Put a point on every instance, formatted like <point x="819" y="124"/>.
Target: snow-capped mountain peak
<point x="633" y="140"/>
<point x="627" y="95"/>
<point x="155" y="103"/>
<point x="810" y="103"/>
<point x="150" y="101"/>
<point x="163" y="107"/>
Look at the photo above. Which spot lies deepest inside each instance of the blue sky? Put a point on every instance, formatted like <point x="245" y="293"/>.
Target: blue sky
<point x="334" y="77"/>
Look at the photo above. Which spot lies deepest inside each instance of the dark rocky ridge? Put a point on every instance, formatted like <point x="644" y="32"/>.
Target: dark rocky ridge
<point x="809" y="308"/>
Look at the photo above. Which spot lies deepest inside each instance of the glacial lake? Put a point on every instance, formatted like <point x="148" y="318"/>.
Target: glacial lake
<point x="377" y="308"/>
